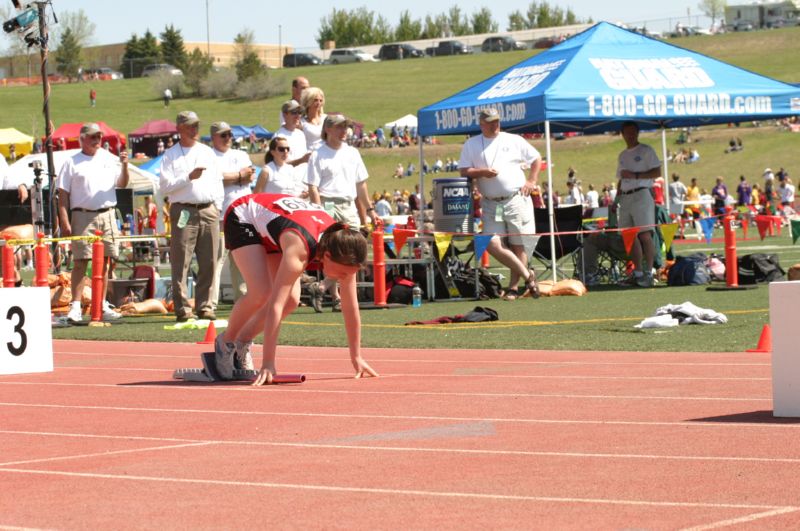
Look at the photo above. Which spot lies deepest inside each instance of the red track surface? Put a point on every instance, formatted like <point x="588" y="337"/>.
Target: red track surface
<point x="444" y="439"/>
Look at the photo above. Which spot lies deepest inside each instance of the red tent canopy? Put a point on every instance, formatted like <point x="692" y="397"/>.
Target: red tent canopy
<point x="155" y="128"/>
<point x="70" y="133"/>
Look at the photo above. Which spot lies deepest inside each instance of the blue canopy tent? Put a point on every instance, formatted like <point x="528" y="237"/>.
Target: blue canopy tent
<point x="603" y="76"/>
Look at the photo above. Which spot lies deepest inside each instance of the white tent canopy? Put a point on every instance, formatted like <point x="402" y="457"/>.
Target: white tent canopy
<point x="409" y="120"/>
<point x="141" y="181"/>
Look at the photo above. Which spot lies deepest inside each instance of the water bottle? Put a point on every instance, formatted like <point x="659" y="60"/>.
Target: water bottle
<point x="416" y="296"/>
<point x="156" y="257"/>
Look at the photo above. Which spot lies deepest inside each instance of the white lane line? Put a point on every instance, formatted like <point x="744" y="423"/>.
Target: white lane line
<point x="743" y="520"/>
<point x="407" y="492"/>
<point x="104" y="454"/>
<point x="421" y="449"/>
<point x="15" y="528"/>
<point x="246" y="389"/>
<point x="570" y="377"/>
<point x="449" y="362"/>
<point x="681" y="423"/>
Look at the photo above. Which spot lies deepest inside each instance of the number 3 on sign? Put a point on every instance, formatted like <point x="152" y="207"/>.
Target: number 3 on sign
<point x="26" y="342"/>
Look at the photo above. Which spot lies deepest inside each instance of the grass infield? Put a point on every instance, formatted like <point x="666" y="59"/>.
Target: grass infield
<point x="603" y="319"/>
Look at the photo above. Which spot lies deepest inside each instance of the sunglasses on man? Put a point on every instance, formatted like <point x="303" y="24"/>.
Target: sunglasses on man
<point x="225" y="135"/>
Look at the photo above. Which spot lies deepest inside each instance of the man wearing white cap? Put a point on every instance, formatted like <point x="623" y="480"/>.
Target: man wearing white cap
<point x="291" y="131"/>
<point x="494" y="160"/>
<point x="191" y="179"/>
<point x="87" y="199"/>
<point x="237" y="174"/>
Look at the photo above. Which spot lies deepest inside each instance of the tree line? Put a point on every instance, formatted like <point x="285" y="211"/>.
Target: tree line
<point x="361" y="26"/>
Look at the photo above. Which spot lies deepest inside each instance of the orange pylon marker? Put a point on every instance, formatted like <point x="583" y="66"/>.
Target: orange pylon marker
<point x="211" y="335"/>
<point x="764" y="342"/>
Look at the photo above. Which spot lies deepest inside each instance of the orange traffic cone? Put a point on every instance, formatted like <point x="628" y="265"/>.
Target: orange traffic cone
<point x="211" y="335"/>
<point x="764" y="342"/>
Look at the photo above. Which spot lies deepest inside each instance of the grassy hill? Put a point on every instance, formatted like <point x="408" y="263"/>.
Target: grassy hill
<point x="376" y="93"/>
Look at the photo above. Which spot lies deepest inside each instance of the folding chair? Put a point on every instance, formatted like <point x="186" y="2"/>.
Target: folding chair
<point x="567" y="246"/>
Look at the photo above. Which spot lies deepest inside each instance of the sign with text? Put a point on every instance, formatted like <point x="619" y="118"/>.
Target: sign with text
<point x="26" y="339"/>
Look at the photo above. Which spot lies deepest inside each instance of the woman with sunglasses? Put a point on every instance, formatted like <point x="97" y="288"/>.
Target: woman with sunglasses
<point x="277" y="175"/>
<point x="273" y="238"/>
<point x="312" y="100"/>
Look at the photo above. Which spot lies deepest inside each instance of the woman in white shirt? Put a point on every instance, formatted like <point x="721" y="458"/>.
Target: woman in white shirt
<point x="312" y="100"/>
<point x="277" y="176"/>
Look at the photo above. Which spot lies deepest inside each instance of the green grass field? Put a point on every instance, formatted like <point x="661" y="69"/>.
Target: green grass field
<point x="375" y="93"/>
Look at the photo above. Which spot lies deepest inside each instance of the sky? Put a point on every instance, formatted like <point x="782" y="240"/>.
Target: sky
<point x="295" y="23"/>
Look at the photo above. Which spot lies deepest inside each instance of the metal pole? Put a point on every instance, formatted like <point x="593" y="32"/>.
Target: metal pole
<point x="550" y="192"/>
<point x="665" y="172"/>
<point x="48" y="125"/>
<point x="208" y="33"/>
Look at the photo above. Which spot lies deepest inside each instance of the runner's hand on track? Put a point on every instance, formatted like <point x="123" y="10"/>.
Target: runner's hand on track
<point x="265" y="377"/>
<point x="363" y="369"/>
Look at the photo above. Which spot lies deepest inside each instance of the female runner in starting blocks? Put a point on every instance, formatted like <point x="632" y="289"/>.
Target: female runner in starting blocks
<point x="273" y="238"/>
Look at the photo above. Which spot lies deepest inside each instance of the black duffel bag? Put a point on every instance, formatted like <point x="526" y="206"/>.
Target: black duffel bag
<point x="758" y="268"/>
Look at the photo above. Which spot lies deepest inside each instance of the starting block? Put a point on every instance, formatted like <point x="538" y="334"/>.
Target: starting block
<point x="209" y="373"/>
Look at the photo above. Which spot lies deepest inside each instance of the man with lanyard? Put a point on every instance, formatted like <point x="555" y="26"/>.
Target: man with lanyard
<point x="237" y="174"/>
<point x="337" y="180"/>
<point x="87" y="199"/>
<point x="637" y="167"/>
<point x="494" y="161"/>
<point x="191" y="179"/>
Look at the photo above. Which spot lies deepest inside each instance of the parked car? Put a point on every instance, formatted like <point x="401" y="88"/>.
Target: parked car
<point x="350" y="55"/>
<point x="399" y="51"/>
<point x="448" y="48"/>
<point x="502" y="44"/>
<point x="108" y="73"/>
<point x="742" y="25"/>
<point x="151" y="70"/>
<point x="300" y="59"/>
<point x="547" y="42"/>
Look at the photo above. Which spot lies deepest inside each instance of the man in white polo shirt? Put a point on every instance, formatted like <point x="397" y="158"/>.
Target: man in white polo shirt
<point x="237" y="174"/>
<point x="337" y="180"/>
<point x="87" y="199"/>
<point x="638" y="166"/>
<point x="190" y="177"/>
<point x="494" y="161"/>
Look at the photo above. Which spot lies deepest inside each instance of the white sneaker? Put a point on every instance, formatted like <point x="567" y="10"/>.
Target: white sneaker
<point x="244" y="359"/>
<point x="75" y="313"/>
<point x="223" y="357"/>
<point x="109" y="314"/>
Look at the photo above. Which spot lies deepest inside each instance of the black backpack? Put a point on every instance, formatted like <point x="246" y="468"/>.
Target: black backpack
<point x="689" y="271"/>
<point x="759" y="267"/>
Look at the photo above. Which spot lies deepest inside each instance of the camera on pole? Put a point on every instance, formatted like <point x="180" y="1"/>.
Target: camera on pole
<point x="26" y="24"/>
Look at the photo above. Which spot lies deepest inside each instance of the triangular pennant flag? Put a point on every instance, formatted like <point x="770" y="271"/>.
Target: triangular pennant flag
<point x="481" y="243"/>
<point x="763" y="223"/>
<point x="745" y="225"/>
<point x="628" y="235"/>
<point x="400" y="237"/>
<point x="668" y="233"/>
<point x="442" y="240"/>
<point x="795" y="230"/>
<point x="708" y="228"/>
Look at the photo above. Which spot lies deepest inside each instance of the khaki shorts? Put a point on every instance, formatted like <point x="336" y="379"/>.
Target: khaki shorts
<point x="517" y="222"/>
<point x="637" y="210"/>
<point x="85" y="224"/>
<point x="342" y="210"/>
